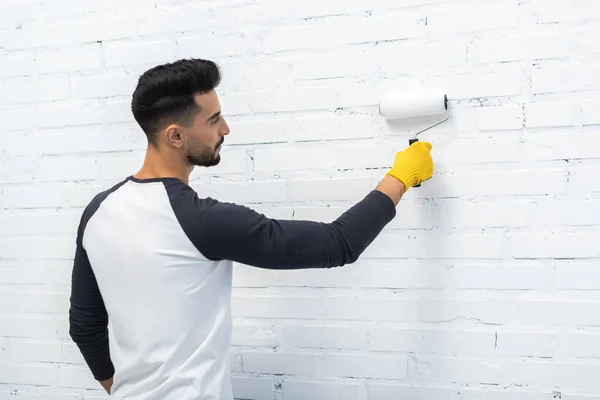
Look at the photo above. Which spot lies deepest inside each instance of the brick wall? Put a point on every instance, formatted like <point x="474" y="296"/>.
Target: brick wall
<point x="486" y="286"/>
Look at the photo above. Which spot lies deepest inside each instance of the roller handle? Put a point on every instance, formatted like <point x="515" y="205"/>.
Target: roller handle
<point x="411" y="141"/>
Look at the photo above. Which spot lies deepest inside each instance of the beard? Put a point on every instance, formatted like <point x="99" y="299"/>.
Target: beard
<point x="207" y="157"/>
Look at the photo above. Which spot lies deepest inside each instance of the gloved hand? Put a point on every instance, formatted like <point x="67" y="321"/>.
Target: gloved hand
<point x="413" y="165"/>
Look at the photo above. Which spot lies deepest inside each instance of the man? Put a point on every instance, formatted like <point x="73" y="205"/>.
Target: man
<point x="151" y="281"/>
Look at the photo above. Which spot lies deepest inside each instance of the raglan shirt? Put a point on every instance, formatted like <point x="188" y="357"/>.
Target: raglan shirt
<point x="153" y="250"/>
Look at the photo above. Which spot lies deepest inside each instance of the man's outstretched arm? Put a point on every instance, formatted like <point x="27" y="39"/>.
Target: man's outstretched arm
<point x="88" y="319"/>
<point x="233" y="232"/>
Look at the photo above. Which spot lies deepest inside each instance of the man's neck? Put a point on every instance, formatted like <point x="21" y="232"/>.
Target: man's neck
<point x="158" y="166"/>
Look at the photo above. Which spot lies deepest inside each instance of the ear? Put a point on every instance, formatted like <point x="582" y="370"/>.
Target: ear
<point x="174" y="136"/>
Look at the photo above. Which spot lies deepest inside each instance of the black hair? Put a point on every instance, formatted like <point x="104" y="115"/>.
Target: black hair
<point x="165" y="93"/>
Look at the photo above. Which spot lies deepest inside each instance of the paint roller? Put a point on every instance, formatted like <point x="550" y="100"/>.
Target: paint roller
<point x="415" y="104"/>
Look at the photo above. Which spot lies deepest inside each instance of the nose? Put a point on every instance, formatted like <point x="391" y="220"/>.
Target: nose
<point x="225" y="131"/>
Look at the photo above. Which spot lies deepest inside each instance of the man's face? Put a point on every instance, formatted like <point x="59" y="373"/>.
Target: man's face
<point x="203" y="139"/>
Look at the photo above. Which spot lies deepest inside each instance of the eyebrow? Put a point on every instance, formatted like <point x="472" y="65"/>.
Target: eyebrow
<point x="215" y="115"/>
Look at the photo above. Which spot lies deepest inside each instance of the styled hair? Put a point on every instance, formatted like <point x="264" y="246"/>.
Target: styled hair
<point x="165" y="94"/>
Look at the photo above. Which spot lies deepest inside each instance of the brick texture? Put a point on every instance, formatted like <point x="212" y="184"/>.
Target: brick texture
<point x="485" y="286"/>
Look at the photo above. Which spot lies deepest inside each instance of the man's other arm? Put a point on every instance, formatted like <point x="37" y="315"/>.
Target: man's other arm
<point x="88" y="319"/>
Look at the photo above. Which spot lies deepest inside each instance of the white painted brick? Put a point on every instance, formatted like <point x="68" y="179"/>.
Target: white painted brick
<point x="567" y="78"/>
<point x="47" y="246"/>
<point x="275" y="307"/>
<point x="17" y="119"/>
<point x="40" y="393"/>
<point x="573" y="145"/>
<point x="500" y="118"/>
<point x="16" y="11"/>
<point x="17" y="65"/>
<point x="116" y="166"/>
<point x="508" y="393"/>
<point x="551" y="114"/>
<point x="341" y="31"/>
<point x="365" y="366"/>
<point x="300" y="390"/>
<point x="446" y="310"/>
<point x="250" y="192"/>
<point x="316" y="8"/>
<point x="589" y="112"/>
<point x="102" y="86"/>
<point x="30" y="351"/>
<point x="472" y="370"/>
<point x="558" y="312"/>
<point x="394" y="57"/>
<point x="435" y="245"/>
<point x="76" y="376"/>
<point x="572" y="396"/>
<point x="457" y="18"/>
<point x="27" y="326"/>
<point x="36" y="272"/>
<point x="531" y="344"/>
<point x="394" y="391"/>
<point x="563" y="374"/>
<point x="367" y="309"/>
<point x="332" y="189"/>
<point x="405" y="276"/>
<point x="73" y="140"/>
<point x="268" y="73"/>
<point x="493" y="183"/>
<point x="60" y="114"/>
<point x="325" y="157"/>
<point x="44" y="169"/>
<point x="88" y="57"/>
<point x="22" y="222"/>
<point x="31" y="90"/>
<point x="126" y="54"/>
<point x="252" y="335"/>
<point x="280" y="363"/>
<point x="432" y="341"/>
<point x="22" y="373"/>
<point x="73" y="32"/>
<point x="578" y="344"/>
<point x="553" y="245"/>
<point x="174" y="21"/>
<point x="65" y="8"/>
<point x="522" y="47"/>
<point x="565" y="11"/>
<point x="515" y="276"/>
<point x="477" y="150"/>
<point x="286" y="100"/>
<point x="428" y="391"/>
<point x="235" y="102"/>
<point x="254" y="388"/>
<point x="246" y="276"/>
<point x="212" y="46"/>
<point x="578" y="274"/>
<point x="334" y="65"/>
<point x="316" y="336"/>
<point x="50" y="195"/>
<point x="453" y="213"/>
<point x="481" y="84"/>
<point x="46" y="303"/>
<point x="584" y="179"/>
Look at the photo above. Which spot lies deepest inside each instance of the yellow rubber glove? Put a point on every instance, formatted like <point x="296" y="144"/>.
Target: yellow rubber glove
<point x="413" y="165"/>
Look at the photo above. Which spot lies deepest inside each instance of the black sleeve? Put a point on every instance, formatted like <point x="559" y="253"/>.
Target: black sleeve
<point x="234" y="232"/>
<point x="88" y="319"/>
